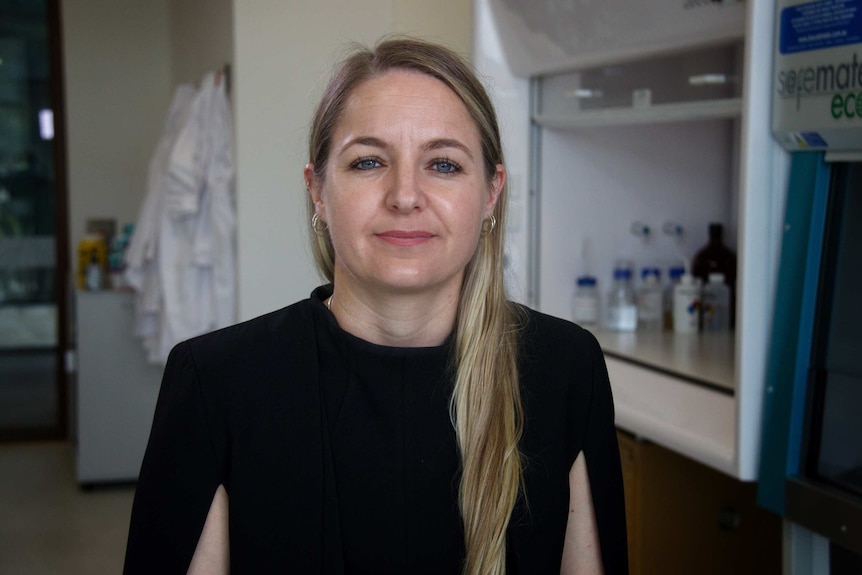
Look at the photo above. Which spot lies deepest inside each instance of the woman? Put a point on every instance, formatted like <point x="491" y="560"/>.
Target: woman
<point x="406" y="418"/>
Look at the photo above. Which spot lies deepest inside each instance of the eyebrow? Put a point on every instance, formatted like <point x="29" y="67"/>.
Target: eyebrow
<point x="448" y="143"/>
<point x="436" y="144"/>
<point x="366" y="141"/>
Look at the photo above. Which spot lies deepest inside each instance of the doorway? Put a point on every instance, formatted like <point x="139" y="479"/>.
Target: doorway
<point x="33" y="230"/>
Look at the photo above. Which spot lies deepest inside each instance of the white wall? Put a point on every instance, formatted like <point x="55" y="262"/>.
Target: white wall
<point x="117" y="83"/>
<point x="511" y="97"/>
<point x="123" y="59"/>
<point x="448" y="22"/>
<point x="284" y="52"/>
<point x="596" y="182"/>
<point x="201" y="33"/>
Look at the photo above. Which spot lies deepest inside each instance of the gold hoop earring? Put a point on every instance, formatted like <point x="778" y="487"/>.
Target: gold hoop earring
<point x="488" y="225"/>
<point x="318" y="226"/>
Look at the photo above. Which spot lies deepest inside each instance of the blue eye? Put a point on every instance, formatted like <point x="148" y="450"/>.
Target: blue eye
<point x="446" y="166"/>
<point x="366" y="164"/>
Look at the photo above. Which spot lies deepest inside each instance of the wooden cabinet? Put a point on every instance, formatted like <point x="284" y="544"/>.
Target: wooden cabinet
<point x="686" y="518"/>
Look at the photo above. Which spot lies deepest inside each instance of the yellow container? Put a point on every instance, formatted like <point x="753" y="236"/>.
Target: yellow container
<point x="92" y="247"/>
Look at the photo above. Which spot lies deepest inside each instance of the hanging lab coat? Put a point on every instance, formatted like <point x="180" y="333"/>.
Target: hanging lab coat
<point x="141" y="258"/>
<point x="192" y="276"/>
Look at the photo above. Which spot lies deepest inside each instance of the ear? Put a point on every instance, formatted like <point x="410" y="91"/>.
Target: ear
<point x="495" y="189"/>
<point x="312" y="185"/>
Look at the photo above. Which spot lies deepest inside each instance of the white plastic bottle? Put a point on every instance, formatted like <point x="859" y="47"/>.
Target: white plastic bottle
<point x="622" y="309"/>
<point x="673" y="274"/>
<point x="686" y="304"/>
<point x="94" y="273"/>
<point x="650" y="300"/>
<point x="716" y="304"/>
<point x="585" y="301"/>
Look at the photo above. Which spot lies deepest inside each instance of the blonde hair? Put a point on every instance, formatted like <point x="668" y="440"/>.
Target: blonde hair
<point x="486" y="402"/>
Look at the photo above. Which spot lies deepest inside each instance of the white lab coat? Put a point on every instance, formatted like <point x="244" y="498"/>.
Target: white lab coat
<point x="184" y="268"/>
<point x="142" y="266"/>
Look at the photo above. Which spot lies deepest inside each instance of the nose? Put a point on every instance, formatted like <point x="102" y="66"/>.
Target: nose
<point x="404" y="193"/>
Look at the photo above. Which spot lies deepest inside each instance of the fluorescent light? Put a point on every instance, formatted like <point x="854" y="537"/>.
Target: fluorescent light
<point x="708" y="79"/>
<point x="584" y="93"/>
<point x="46" y="124"/>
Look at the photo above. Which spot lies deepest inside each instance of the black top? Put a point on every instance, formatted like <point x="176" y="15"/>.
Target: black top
<point x="394" y="451"/>
<point x="338" y="455"/>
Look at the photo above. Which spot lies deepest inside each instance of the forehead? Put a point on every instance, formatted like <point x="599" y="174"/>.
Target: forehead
<point x="402" y="99"/>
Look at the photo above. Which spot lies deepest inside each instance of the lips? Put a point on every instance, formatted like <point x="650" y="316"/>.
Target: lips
<point x="405" y="237"/>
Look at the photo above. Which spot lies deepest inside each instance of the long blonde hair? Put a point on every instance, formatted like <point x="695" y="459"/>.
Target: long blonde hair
<point x="486" y="402"/>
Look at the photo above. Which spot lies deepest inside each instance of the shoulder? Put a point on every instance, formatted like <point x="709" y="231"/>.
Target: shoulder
<point x="291" y="320"/>
<point x="277" y="335"/>
<point x="562" y="383"/>
<point x="556" y="340"/>
<point x="240" y="373"/>
<point x="560" y="366"/>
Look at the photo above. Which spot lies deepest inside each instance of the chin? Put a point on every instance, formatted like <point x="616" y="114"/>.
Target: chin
<point x="410" y="281"/>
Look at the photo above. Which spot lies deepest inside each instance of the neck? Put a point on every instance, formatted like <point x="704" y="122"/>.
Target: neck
<point x="422" y="319"/>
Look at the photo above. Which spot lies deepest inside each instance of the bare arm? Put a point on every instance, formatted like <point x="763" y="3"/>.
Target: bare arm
<point x="212" y="555"/>
<point x="581" y="551"/>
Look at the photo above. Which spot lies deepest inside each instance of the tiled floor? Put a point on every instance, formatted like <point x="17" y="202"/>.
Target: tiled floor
<point x="48" y="525"/>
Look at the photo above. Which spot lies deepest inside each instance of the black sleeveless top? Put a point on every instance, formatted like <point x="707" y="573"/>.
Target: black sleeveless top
<point x="338" y="455"/>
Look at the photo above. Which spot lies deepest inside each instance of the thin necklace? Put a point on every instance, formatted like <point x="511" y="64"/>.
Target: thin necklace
<point x="329" y="302"/>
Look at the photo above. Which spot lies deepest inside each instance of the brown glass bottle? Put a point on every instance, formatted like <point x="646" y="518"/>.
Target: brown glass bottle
<point x="717" y="257"/>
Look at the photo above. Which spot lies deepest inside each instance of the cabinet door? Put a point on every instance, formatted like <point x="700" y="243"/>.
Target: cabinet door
<point x="117" y="389"/>
<point x="630" y="463"/>
<point x="687" y="518"/>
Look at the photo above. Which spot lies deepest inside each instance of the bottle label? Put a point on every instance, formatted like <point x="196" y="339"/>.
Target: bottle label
<point x="686" y="310"/>
<point x="715" y="308"/>
<point x="585" y="310"/>
<point x="623" y="318"/>
<point x="650" y="306"/>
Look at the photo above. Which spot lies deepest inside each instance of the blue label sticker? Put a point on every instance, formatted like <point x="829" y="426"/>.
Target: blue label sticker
<point x="820" y="24"/>
<point x="813" y="140"/>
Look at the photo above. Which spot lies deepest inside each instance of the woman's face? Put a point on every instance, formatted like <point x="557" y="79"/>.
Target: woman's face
<point x="405" y="191"/>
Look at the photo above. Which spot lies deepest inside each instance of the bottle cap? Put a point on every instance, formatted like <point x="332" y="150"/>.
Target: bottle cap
<point x="675" y="272"/>
<point x="646" y="272"/>
<point x="622" y="274"/>
<point x="587" y="281"/>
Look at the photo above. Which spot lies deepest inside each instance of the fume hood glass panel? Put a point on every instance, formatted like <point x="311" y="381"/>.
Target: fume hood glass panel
<point x="826" y="494"/>
<point x="703" y="75"/>
<point x="840" y="457"/>
<point x="839" y="449"/>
